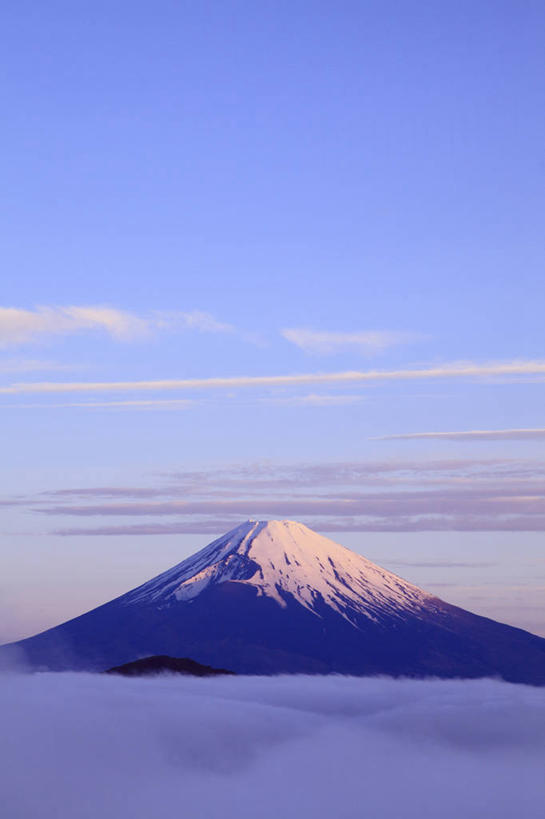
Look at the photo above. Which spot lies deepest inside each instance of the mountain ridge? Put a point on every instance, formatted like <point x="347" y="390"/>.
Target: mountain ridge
<point x="160" y="665"/>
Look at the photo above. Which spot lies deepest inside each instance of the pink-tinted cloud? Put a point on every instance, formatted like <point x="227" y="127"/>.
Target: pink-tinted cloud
<point x="457" y="494"/>
<point x="536" y="434"/>
<point x="216" y="526"/>
<point x="457" y="370"/>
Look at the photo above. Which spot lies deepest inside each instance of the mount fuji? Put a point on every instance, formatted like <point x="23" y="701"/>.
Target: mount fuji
<point x="275" y="597"/>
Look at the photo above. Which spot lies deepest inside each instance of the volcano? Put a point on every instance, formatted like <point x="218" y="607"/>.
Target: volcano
<point x="275" y="597"/>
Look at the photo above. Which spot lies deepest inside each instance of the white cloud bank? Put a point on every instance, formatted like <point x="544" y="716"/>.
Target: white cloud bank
<point x="83" y="746"/>
<point x="327" y="342"/>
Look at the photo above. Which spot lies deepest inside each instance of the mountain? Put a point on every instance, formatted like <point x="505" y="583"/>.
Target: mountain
<point x="151" y="666"/>
<point x="274" y="596"/>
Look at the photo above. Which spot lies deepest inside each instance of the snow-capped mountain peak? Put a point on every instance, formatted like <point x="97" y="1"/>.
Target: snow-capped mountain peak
<point x="284" y="559"/>
<point x="273" y="597"/>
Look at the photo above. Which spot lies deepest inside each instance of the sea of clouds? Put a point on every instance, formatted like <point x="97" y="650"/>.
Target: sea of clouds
<point x="82" y="746"/>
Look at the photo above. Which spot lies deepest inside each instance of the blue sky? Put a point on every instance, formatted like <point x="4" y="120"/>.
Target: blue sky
<point x="240" y="191"/>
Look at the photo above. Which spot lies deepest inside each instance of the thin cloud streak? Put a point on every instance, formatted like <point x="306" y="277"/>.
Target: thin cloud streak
<point x="372" y="505"/>
<point x="450" y="509"/>
<point x="174" y="403"/>
<point x="314" y="400"/>
<point x="28" y="365"/>
<point x="470" y="435"/>
<point x="217" y="527"/>
<point x="440" y="495"/>
<point x="439" y="564"/>
<point x="268" y="474"/>
<point x="350" y="472"/>
<point x="213" y="527"/>
<point x="327" y="342"/>
<point x="455" y="370"/>
<point x="289" y="489"/>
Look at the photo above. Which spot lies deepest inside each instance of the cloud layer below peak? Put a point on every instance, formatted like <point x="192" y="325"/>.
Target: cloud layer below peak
<point x="269" y="747"/>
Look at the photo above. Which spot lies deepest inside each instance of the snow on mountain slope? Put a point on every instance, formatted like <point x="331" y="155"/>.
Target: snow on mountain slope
<point x="282" y="558"/>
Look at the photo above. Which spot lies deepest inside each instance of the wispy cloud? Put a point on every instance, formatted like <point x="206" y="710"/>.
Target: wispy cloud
<point x="106" y="492"/>
<point x="152" y="404"/>
<point x="191" y="527"/>
<point x="456" y="370"/>
<point x="19" y="326"/>
<point x="522" y="476"/>
<point x="199" y="320"/>
<point x="471" y="435"/>
<point x="316" y="400"/>
<point x="217" y="526"/>
<point x="440" y="503"/>
<point x="440" y="564"/>
<point x="450" y="495"/>
<point x="28" y="365"/>
<point x="327" y="342"/>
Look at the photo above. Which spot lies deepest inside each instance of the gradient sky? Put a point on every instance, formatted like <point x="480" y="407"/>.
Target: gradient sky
<point x="332" y="210"/>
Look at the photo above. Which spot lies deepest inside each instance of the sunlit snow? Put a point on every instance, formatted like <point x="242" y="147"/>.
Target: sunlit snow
<point x="286" y="557"/>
